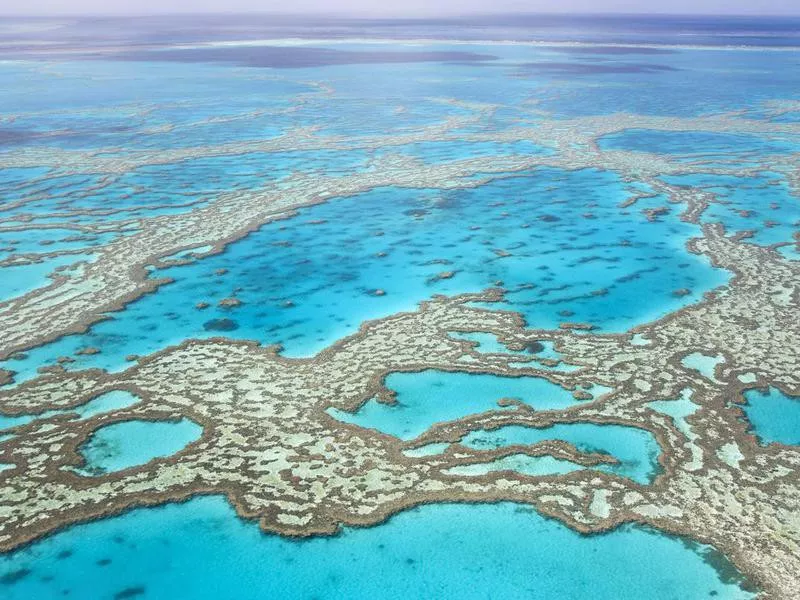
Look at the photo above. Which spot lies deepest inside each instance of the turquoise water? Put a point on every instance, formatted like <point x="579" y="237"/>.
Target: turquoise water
<point x="432" y="397"/>
<point x="309" y="281"/>
<point x="21" y="279"/>
<point x="760" y="204"/>
<point x="636" y="449"/>
<point x="535" y="466"/>
<point x="110" y="401"/>
<point x="538" y="354"/>
<point x="678" y="409"/>
<point x="36" y="241"/>
<point x="774" y="416"/>
<point x="131" y="443"/>
<point x="704" y="364"/>
<point x="489" y="343"/>
<point x="200" y="550"/>
<point x="698" y="144"/>
<point x="175" y="135"/>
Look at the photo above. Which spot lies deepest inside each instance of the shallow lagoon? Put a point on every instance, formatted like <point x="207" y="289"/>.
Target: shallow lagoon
<point x="774" y="416"/>
<point x="21" y="279"/>
<point x="107" y="402"/>
<point x="201" y="550"/>
<point x="556" y="240"/>
<point x="432" y="397"/>
<point x="132" y="443"/>
<point x="429" y="397"/>
<point x="636" y="449"/>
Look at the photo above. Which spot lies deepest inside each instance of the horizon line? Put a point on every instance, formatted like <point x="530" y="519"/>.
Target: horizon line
<point x="392" y="17"/>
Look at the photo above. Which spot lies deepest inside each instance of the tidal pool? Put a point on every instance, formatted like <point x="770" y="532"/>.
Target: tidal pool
<point x="679" y="409"/>
<point x="488" y="343"/>
<point x="431" y="396"/>
<point x="536" y="466"/>
<point x="200" y="549"/>
<point x="539" y="354"/>
<point x="636" y="449"/>
<point x="22" y="279"/>
<point x="113" y="400"/>
<point x="704" y="364"/>
<point x="774" y="416"/>
<point x="132" y="443"/>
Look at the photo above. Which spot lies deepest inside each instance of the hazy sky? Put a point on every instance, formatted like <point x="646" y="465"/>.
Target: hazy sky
<point x="397" y="7"/>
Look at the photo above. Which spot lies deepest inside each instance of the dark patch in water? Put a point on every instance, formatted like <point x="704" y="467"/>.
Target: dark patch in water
<point x="64" y="554"/>
<point x="533" y="347"/>
<point x="130" y="592"/>
<point x="14" y="136"/>
<point x="727" y="572"/>
<point x="13" y="577"/>
<point x="18" y="136"/>
<point x="276" y="57"/>
<point x="525" y="510"/>
<point x="220" y="325"/>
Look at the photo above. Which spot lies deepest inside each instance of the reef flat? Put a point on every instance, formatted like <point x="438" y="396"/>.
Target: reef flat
<point x="117" y="275"/>
<point x="309" y="445"/>
<point x="271" y="448"/>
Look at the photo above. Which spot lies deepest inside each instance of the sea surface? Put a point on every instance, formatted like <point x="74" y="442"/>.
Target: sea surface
<point x="168" y="94"/>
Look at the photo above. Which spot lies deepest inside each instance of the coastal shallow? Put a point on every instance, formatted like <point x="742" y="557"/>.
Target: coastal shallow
<point x="774" y="416"/>
<point x="200" y="550"/>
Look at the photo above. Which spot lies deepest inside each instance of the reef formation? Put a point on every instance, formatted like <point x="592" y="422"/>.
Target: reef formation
<point x="270" y="444"/>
